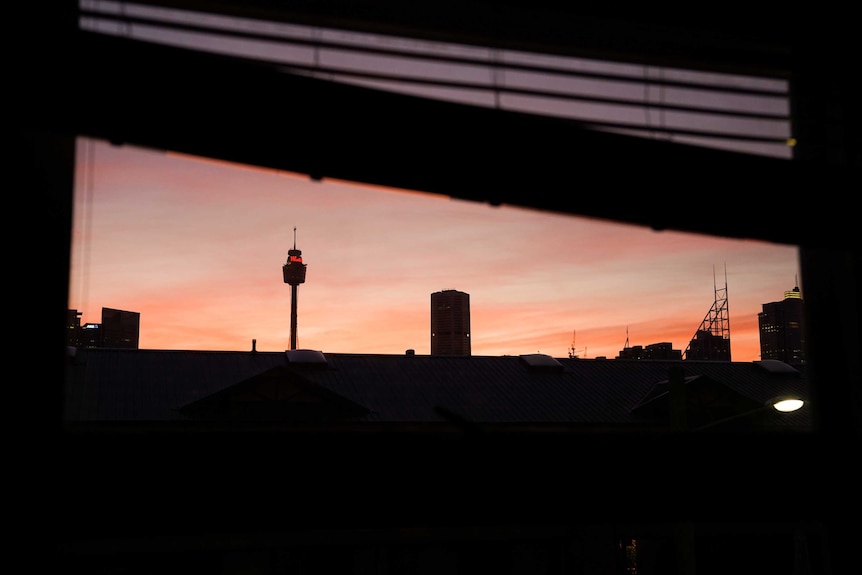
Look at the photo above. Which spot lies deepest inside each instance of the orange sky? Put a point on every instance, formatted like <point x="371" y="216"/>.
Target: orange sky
<point x="196" y="247"/>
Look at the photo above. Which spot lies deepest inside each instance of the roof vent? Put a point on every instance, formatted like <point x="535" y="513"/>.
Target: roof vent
<point x="305" y="356"/>
<point x="776" y="366"/>
<point x="541" y="362"/>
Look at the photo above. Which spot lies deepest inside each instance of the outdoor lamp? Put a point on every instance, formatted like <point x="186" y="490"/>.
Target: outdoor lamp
<point x="786" y="403"/>
<point x="782" y="403"/>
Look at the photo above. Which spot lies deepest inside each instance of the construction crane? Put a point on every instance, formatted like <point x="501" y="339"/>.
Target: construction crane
<point x="573" y="354"/>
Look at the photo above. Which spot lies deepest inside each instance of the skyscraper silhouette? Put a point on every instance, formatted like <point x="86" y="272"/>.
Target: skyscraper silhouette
<point x="120" y="328"/>
<point x="450" y="323"/>
<point x="782" y="333"/>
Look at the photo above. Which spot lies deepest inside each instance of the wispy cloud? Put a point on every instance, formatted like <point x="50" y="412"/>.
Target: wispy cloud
<point x="195" y="246"/>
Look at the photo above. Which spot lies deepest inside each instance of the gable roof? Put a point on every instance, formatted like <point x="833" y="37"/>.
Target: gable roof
<point x="278" y="393"/>
<point x="157" y="385"/>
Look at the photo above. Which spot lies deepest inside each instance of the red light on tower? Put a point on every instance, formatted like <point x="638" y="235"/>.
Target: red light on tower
<point x="294" y="274"/>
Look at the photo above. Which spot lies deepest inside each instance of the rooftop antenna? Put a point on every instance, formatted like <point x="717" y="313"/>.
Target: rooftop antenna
<point x="294" y="274"/>
<point x="711" y="341"/>
<point x="794" y="293"/>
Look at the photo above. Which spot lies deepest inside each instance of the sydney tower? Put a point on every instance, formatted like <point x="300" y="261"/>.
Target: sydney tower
<point x="294" y="274"/>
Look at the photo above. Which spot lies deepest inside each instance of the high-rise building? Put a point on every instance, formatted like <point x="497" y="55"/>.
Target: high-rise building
<point x="120" y="328"/>
<point x="450" y="323"/>
<point x="782" y="329"/>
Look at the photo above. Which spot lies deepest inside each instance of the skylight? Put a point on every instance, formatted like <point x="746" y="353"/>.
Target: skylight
<point x="541" y="362"/>
<point x="305" y="356"/>
<point x="776" y="366"/>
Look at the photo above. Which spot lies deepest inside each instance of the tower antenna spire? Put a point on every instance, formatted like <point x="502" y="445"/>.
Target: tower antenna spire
<point x="294" y="237"/>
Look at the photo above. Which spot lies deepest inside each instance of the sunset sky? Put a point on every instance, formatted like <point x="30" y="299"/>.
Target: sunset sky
<point x="196" y="247"/>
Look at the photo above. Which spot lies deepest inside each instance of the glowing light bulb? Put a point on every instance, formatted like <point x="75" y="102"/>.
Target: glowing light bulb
<point x="786" y="405"/>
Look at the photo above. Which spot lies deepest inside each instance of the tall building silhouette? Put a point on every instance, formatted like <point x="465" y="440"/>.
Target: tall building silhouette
<point x="294" y="274"/>
<point x="118" y="329"/>
<point x="662" y="350"/>
<point x="73" y="328"/>
<point x="450" y="323"/>
<point x="782" y="329"/>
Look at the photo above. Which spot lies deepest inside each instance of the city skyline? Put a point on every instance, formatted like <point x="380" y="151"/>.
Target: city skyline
<point x="194" y="246"/>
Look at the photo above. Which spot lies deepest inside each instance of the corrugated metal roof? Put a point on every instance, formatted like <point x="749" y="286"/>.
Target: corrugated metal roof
<point x="151" y="385"/>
